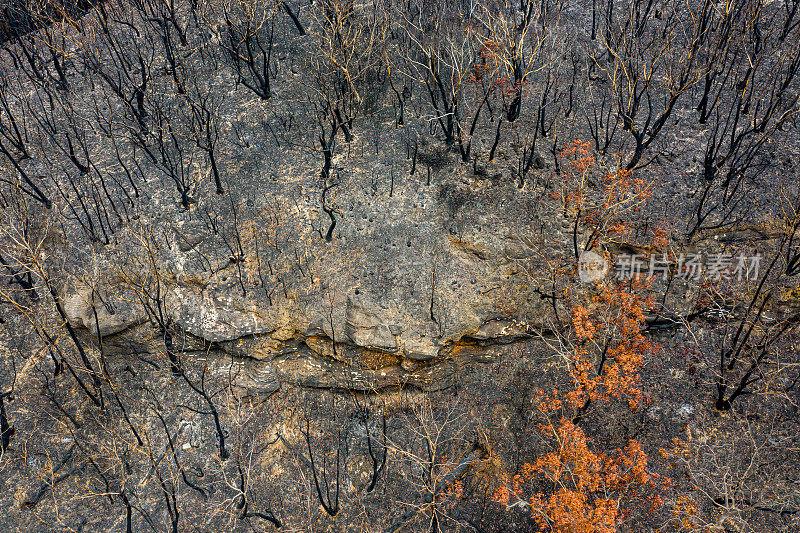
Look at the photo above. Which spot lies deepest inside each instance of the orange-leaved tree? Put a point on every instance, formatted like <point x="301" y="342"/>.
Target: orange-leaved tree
<point x="575" y="486"/>
<point x="598" y="197"/>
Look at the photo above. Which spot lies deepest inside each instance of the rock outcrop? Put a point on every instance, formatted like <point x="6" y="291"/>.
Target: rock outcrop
<point x="101" y="312"/>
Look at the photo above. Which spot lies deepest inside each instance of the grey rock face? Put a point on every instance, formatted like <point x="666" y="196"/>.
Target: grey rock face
<point x="364" y="328"/>
<point x="113" y="315"/>
<point x="188" y="236"/>
<point x="213" y="315"/>
<point x="501" y="331"/>
<point x="420" y="349"/>
<point x="412" y="284"/>
<point x="254" y="377"/>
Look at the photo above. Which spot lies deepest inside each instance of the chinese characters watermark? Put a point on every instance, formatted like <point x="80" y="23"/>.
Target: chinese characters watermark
<point x="593" y="267"/>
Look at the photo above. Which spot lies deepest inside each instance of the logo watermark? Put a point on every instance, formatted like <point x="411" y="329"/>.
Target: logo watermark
<point x="593" y="267"/>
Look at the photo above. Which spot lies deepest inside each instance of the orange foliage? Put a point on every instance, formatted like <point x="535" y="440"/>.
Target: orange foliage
<point x="575" y="487"/>
<point x="619" y="315"/>
<point x="588" y="486"/>
<point x="591" y="491"/>
<point x="600" y="198"/>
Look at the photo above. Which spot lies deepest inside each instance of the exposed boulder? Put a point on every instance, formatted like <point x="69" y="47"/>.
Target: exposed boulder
<point x="188" y="235"/>
<point x="501" y="331"/>
<point x="252" y="377"/>
<point x="214" y="315"/>
<point x="420" y="348"/>
<point x="364" y="328"/>
<point x="113" y="314"/>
